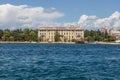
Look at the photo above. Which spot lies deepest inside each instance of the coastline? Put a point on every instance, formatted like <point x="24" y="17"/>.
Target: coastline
<point x="16" y="42"/>
<point x="109" y="43"/>
<point x="28" y="42"/>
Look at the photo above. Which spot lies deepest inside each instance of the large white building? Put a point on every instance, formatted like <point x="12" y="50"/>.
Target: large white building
<point x="67" y="34"/>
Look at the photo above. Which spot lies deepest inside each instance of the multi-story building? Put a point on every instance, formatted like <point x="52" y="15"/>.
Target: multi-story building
<point x="67" y="34"/>
<point x="115" y="32"/>
<point x="112" y="32"/>
<point x="105" y="29"/>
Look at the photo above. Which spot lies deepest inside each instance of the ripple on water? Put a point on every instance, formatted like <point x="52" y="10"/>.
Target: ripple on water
<point x="59" y="62"/>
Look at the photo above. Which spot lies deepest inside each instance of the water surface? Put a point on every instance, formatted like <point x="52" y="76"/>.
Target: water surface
<point x="59" y="62"/>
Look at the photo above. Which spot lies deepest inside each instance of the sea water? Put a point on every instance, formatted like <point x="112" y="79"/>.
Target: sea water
<point x="59" y="62"/>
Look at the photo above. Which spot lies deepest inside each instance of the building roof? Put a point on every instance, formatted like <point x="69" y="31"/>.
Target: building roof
<point x="60" y="28"/>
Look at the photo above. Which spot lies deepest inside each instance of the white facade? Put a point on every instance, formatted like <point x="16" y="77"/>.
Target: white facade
<point x="115" y="32"/>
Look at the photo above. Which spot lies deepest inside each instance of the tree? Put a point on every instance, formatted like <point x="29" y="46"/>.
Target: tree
<point x="89" y="38"/>
<point x="57" y="37"/>
<point x="17" y="35"/>
<point x="33" y="35"/>
<point x="26" y="34"/>
<point x="65" y="39"/>
<point x="6" y="35"/>
<point x="1" y="34"/>
<point x="87" y="33"/>
<point x="40" y="38"/>
<point x="111" y="38"/>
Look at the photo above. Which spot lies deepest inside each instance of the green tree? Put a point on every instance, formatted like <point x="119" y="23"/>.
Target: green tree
<point x="57" y="37"/>
<point x="1" y="34"/>
<point x="86" y="33"/>
<point x="111" y="38"/>
<point x="17" y="35"/>
<point x="26" y="34"/>
<point x="65" y="39"/>
<point x="6" y="35"/>
<point x="40" y="38"/>
<point x="89" y="38"/>
<point x="33" y="35"/>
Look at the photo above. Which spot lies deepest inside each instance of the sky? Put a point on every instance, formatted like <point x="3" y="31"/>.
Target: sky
<point x="89" y="14"/>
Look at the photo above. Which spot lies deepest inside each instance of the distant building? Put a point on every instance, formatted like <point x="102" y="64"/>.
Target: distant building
<point x="105" y="29"/>
<point x="67" y="34"/>
<point x="112" y="32"/>
<point x="115" y="32"/>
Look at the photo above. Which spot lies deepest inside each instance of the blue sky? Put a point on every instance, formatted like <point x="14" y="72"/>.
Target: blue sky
<point x="72" y="9"/>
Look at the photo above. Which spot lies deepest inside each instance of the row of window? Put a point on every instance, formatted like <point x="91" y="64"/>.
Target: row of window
<point x="61" y="33"/>
<point x="69" y="37"/>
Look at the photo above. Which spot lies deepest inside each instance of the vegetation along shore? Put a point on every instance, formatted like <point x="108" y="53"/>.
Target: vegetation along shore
<point x="31" y="36"/>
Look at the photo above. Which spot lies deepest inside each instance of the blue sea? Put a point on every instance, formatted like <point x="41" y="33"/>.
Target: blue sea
<point x="59" y="62"/>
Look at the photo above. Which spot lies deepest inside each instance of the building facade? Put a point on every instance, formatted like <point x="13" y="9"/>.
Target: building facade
<point x="115" y="32"/>
<point x="105" y="29"/>
<point x="112" y="32"/>
<point x="67" y="34"/>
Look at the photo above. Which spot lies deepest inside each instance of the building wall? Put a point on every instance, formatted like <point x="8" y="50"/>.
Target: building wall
<point x="105" y="29"/>
<point x="68" y="33"/>
<point x="115" y="32"/>
<point x="112" y="32"/>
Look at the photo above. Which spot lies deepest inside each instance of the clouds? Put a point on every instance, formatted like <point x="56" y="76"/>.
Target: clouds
<point x="94" y="22"/>
<point x="22" y="16"/>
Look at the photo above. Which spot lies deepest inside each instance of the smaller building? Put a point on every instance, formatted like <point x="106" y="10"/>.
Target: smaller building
<point x="115" y="32"/>
<point x="111" y="32"/>
<point x="67" y="34"/>
<point x="105" y="29"/>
